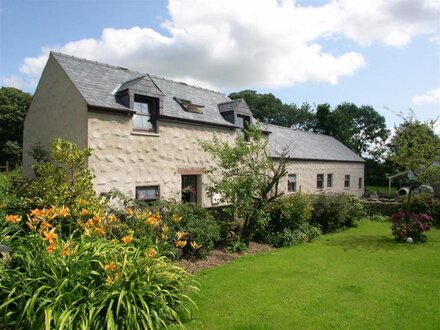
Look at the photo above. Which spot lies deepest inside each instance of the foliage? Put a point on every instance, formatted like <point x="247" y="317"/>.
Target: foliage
<point x="9" y="192"/>
<point x="362" y="129"/>
<point x="246" y="177"/>
<point x="332" y="212"/>
<point x="184" y="229"/>
<point x="237" y="246"/>
<point x="270" y="109"/>
<point x="64" y="180"/>
<point x="13" y="107"/>
<point x="305" y="233"/>
<point x="425" y="203"/>
<point x="85" y="281"/>
<point x="410" y="227"/>
<point x="290" y="212"/>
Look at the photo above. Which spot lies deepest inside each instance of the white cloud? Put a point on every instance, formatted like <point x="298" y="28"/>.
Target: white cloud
<point x="248" y="43"/>
<point x="430" y="97"/>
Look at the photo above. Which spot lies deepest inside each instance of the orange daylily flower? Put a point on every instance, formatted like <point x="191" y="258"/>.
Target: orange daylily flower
<point x="50" y="235"/>
<point x="111" y="266"/>
<point x="90" y="223"/>
<point x="127" y="239"/>
<point x="51" y="247"/>
<point x="13" y="218"/>
<point x="84" y="212"/>
<point x="64" y="212"/>
<point x="152" y="253"/>
<point x="180" y="244"/>
<point x="111" y="218"/>
<point x="181" y="235"/>
<point x="66" y="251"/>
<point x="96" y="219"/>
<point x="37" y="213"/>
<point x="153" y="219"/>
<point x="99" y="231"/>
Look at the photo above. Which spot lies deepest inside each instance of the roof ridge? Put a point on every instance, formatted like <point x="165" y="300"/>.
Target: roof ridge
<point x="133" y="71"/>
<point x="231" y="101"/>
<point x="299" y="130"/>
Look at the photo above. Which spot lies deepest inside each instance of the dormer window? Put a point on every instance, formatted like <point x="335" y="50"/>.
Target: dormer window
<point x="243" y="123"/>
<point x="189" y="106"/>
<point x="147" y="111"/>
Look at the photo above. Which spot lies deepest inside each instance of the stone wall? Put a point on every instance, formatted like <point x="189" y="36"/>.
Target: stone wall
<point x="307" y="171"/>
<point x="124" y="160"/>
<point x="57" y="110"/>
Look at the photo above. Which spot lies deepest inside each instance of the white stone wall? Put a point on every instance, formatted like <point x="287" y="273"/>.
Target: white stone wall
<point x="307" y="171"/>
<point x="57" y="110"/>
<point x="122" y="159"/>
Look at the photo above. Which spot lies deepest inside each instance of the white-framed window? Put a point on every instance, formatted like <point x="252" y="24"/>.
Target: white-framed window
<point x="329" y="180"/>
<point x="146" y="115"/>
<point x="243" y="122"/>
<point x="320" y="181"/>
<point x="148" y="193"/>
<point x="291" y="182"/>
<point x="347" y="181"/>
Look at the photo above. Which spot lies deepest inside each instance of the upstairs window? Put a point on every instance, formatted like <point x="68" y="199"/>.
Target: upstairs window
<point x="147" y="111"/>
<point x="329" y="180"/>
<point x="243" y="122"/>
<point x="320" y="181"/>
<point x="347" y="181"/>
<point x="291" y="183"/>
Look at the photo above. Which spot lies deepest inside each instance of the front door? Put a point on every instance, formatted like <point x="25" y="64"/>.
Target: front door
<point x="189" y="188"/>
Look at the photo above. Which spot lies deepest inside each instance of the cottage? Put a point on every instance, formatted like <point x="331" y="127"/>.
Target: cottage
<point x="143" y="130"/>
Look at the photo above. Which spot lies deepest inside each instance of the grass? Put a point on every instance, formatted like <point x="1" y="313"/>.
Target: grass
<point x="382" y="189"/>
<point x="357" y="279"/>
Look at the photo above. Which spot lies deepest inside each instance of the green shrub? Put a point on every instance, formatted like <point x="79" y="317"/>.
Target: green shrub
<point x="332" y="212"/>
<point x="290" y="212"/>
<point x="64" y="180"/>
<point x="425" y="203"/>
<point x="87" y="283"/>
<point x="410" y="227"/>
<point x="303" y="234"/>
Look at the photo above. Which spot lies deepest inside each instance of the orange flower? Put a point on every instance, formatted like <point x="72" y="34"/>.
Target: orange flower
<point x="13" y="218"/>
<point x="127" y="239"/>
<point x="180" y="244"/>
<point x="111" y="266"/>
<point x="30" y="225"/>
<point x="176" y="218"/>
<point x="181" y="235"/>
<point x="111" y="218"/>
<point x="45" y="225"/>
<point x="96" y="219"/>
<point x="66" y="251"/>
<point x="64" y="212"/>
<point x="50" y="235"/>
<point x="90" y="223"/>
<point x="51" y="247"/>
<point x="99" y="231"/>
<point x="37" y="213"/>
<point x="152" y="253"/>
<point x="84" y="212"/>
<point x="153" y="219"/>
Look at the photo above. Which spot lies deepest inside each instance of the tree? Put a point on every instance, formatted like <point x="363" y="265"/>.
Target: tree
<point x="269" y="109"/>
<point x="14" y="105"/>
<point x="246" y="177"/>
<point x="415" y="147"/>
<point x="362" y="129"/>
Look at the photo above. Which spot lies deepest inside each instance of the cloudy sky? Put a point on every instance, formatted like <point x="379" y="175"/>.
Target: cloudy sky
<point x="384" y="53"/>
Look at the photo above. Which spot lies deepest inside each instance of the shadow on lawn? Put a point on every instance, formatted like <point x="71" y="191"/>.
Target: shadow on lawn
<point x="364" y="243"/>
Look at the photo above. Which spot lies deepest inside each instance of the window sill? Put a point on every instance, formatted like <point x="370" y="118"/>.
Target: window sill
<point x="144" y="133"/>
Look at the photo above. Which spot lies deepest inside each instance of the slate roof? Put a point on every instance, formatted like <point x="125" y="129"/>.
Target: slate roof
<point x="98" y="83"/>
<point x="307" y="145"/>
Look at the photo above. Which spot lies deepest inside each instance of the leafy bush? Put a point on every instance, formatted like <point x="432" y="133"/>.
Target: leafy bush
<point x="332" y="212"/>
<point x="303" y="234"/>
<point x="64" y="180"/>
<point x="290" y="212"/>
<point x="186" y="229"/>
<point x="87" y="282"/>
<point x="410" y="227"/>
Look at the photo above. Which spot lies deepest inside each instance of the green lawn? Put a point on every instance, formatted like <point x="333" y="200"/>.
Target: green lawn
<point x="357" y="279"/>
<point x="382" y="189"/>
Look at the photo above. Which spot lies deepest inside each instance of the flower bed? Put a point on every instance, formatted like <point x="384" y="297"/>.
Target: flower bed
<point x="410" y="227"/>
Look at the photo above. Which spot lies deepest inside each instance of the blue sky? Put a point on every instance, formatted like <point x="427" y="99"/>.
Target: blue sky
<point x="384" y="53"/>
